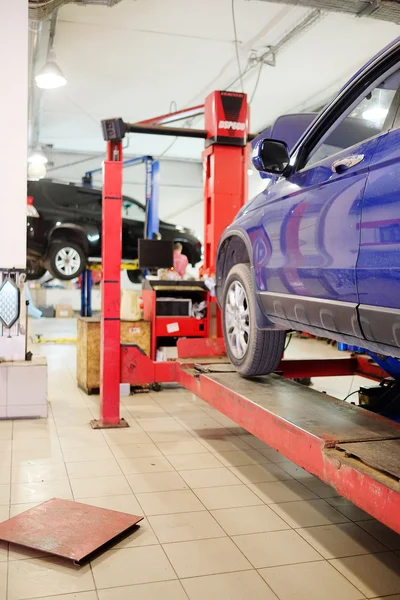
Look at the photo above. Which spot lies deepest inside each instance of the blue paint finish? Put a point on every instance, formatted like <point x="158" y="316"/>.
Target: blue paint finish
<point x="378" y="269"/>
<point x="311" y="222"/>
<point x="152" y="197"/>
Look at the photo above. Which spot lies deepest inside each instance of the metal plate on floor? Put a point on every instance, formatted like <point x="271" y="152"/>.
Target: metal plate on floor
<point x="67" y="529"/>
<point x="383" y="455"/>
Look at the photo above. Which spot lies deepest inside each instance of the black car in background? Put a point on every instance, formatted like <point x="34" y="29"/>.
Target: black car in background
<point x="64" y="230"/>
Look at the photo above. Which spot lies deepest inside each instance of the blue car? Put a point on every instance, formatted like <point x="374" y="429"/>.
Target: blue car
<point x="319" y="249"/>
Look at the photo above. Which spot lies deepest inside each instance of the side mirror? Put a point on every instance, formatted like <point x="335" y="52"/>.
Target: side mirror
<point x="271" y="156"/>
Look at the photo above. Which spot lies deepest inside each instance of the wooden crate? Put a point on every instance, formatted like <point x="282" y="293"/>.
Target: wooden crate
<point x="88" y="348"/>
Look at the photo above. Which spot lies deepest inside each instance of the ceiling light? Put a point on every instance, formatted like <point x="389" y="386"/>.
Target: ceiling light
<point x="36" y="171"/>
<point x="50" y="76"/>
<point x="38" y="157"/>
<point x="250" y="171"/>
<point x="376" y="114"/>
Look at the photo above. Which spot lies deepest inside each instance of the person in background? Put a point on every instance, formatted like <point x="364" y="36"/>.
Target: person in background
<point x="180" y="260"/>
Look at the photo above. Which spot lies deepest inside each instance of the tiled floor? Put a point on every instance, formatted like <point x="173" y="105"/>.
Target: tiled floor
<point x="226" y="517"/>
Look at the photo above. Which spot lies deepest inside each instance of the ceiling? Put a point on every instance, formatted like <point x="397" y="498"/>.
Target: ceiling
<point x="142" y="57"/>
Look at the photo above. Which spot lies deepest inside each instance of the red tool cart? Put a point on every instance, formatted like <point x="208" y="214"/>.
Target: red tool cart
<point x="168" y="305"/>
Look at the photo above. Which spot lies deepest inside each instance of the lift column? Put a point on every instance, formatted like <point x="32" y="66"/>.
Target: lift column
<point x="110" y="362"/>
<point x="225" y="164"/>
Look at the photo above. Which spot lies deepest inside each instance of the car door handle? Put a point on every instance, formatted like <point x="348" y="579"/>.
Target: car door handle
<point x="341" y="165"/>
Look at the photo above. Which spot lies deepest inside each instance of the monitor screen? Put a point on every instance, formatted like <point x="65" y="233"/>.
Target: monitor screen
<point x="156" y="254"/>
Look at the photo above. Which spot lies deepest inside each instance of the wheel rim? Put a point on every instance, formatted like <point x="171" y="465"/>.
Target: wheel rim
<point x="237" y="319"/>
<point x="68" y="261"/>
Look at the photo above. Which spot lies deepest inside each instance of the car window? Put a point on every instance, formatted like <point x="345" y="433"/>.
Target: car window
<point x="132" y="211"/>
<point x="363" y="121"/>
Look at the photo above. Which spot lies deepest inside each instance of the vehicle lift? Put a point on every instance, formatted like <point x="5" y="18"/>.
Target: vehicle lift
<point x="151" y="226"/>
<point x="354" y="450"/>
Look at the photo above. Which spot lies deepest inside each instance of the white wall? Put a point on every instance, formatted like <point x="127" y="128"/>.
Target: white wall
<point x="13" y="110"/>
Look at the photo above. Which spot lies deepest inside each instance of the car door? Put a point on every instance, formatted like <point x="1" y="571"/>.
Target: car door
<point x="312" y="220"/>
<point x="378" y="266"/>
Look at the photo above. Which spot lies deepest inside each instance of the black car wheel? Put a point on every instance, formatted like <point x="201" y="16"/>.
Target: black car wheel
<point x="66" y="260"/>
<point x="251" y="351"/>
<point x="135" y="275"/>
<point x="34" y="270"/>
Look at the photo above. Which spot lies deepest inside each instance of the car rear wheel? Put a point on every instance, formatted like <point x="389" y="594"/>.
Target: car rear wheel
<point x="135" y="275"/>
<point x="251" y="351"/>
<point x="66" y="260"/>
<point x="34" y="270"/>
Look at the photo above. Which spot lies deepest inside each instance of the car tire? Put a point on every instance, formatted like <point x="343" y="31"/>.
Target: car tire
<point x="252" y="351"/>
<point x="135" y="275"/>
<point x="34" y="270"/>
<point x="66" y="260"/>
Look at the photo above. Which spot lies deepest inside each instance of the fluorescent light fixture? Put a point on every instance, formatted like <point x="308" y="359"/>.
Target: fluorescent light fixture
<point x="376" y="114"/>
<point x="50" y="75"/>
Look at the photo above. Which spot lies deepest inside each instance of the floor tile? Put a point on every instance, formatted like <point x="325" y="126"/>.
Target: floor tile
<point x="373" y="574"/>
<point x="260" y="473"/>
<point x="205" y="557"/>
<point x="275" y="548"/>
<point x="92" y="468"/>
<point x="5" y="475"/>
<point x="183" y="527"/>
<point x="187" y="462"/>
<point x="77" y="596"/>
<point x="243" y="585"/>
<point x="344" y="539"/>
<point x="227" y="497"/>
<point x="294" y="470"/>
<point x="388" y="537"/>
<point x="273" y="455"/>
<point x="130" y="566"/>
<point x="37" y="455"/>
<point x="156" y="482"/>
<point x="161" y="503"/>
<point x="136" y="450"/>
<point x="176" y="435"/>
<point x="124" y="503"/>
<point x="282" y="491"/>
<point x="142" y="535"/>
<point x="348" y="509"/>
<point x="204" y="478"/>
<point x="152" y="464"/>
<point x="99" y="486"/>
<point x="237" y="458"/>
<point x="97" y="453"/>
<point x="165" y="424"/>
<point x="309" y="581"/>
<point x="36" y="577"/>
<point x="183" y="447"/>
<point x="308" y="513"/>
<point x="3" y="581"/>
<point x="38" y="473"/>
<point x="122" y="437"/>
<point x="229" y="443"/>
<point x="167" y="590"/>
<point x="249" y="519"/>
<point x="320" y="488"/>
<point x="39" y="492"/>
